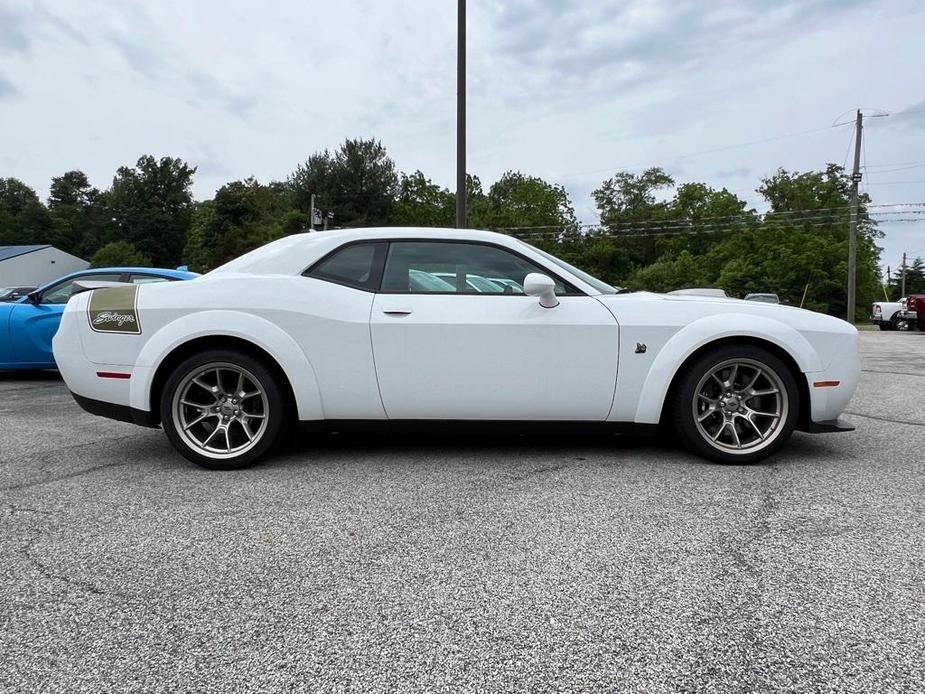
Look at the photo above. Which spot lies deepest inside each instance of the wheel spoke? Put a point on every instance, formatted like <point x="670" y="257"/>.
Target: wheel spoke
<point x="211" y="436"/>
<point x="758" y="393"/>
<point x="198" y="419"/>
<point x="248" y="415"/>
<point x="751" y="384"/>
<point x="227" y="439"/>
<point x="247" y="429"/>
<point x="709" y="413"/>
<point x="190" y="403"/>
<point x="735" y="434"/>
<point x="245" y="396"/>
<point x="731" y="381"/>
<point x="754" y="426"/>
<point x="703" y="397"/>
<point x="205" y="386"/>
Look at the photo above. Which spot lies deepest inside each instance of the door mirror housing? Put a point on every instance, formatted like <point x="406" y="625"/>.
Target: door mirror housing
<point x="542" y="286"/>
<point x="34" y="297"/>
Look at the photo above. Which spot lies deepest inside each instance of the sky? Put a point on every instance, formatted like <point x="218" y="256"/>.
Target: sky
<point x="722" y="92"/>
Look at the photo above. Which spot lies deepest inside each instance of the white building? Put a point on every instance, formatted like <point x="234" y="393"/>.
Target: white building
<point x="33" y="266"/>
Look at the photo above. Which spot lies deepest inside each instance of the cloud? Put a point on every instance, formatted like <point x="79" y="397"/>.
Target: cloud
<point x="138" y="55"/>
<point x="7" y="88"/>
<point x="207" y="88"/>
<point x="14" y="34"/>
<point x="615" y="43"/>
<point x="740" y="172"/>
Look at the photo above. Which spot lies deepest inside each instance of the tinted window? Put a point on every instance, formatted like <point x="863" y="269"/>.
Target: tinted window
<point x="60" y="293"/>
<point x="421" y="267"/>
<point x="357" y="265"/>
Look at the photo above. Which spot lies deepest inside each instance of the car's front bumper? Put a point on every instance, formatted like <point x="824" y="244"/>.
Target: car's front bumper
<point x="829" y="427"/>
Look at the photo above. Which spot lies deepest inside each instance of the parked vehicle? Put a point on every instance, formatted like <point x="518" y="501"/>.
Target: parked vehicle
<point x="885" y="315"/>
<point x="325" y="328"/>
<point x="700" y="291"/>
<point x="8" y="294"/>
<point x="28" y="324"/>
<point x="764" y="298"/>
<point x="914" y="311"/>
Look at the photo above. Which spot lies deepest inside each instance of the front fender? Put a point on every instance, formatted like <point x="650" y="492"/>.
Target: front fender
<point x="245" y="326"/>
<point x="710" y="329"/>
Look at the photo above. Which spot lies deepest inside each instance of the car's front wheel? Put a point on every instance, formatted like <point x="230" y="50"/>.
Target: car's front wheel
<point x="222" y="409"/>
<point x="902" y="324"/>
<point x="736" y="404"/>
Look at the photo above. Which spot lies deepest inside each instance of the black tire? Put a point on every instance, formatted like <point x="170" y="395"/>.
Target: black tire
<point x="266" y="402"/>
<point x="901" y="324"/>
<point x="689" y="406"/>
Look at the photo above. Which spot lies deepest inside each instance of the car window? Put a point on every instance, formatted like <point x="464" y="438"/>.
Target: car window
<point x="61" y="292"/>
<point x="147" y="279"/>
<point x="356" y="265"/>
<point x="461" y="268"/>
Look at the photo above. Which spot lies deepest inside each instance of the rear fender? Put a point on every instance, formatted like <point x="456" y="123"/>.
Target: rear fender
<point x="245" y="326"/>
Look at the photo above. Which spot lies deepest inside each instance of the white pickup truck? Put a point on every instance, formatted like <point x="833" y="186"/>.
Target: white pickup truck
<point x="887" y="315"/>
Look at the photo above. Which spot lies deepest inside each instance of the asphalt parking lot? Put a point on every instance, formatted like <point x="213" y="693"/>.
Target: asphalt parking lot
<point x="517" y="564"/>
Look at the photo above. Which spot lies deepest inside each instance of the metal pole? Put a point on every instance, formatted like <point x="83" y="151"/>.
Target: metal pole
<point x="461" y="116"/>
<point x="853" y="220"/>
<point x="311" y="214"/>
<point x="902" y="291"/>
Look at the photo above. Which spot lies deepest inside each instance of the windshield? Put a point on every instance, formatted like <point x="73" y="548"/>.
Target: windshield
<point x="602" y="287"/>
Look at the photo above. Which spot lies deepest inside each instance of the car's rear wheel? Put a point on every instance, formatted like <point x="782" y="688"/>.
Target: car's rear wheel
<point x="736" y="404"/>
<point x="223" y="409"/>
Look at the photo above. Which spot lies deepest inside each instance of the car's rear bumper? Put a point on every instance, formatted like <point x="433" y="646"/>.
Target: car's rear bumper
<point x="121" y="413"/>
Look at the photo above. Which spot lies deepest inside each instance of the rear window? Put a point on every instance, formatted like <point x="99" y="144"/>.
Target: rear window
<point x="357" y="265"/>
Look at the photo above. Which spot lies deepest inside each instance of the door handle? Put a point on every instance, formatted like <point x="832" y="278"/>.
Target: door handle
<point x="396" y="311"/>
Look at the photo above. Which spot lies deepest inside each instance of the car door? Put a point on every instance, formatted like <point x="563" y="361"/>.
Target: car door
<point x="32" y="326"/>
<point x="471" y="355"/>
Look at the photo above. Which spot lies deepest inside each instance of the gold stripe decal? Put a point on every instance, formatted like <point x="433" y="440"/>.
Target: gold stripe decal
<point x="114" y="310"/>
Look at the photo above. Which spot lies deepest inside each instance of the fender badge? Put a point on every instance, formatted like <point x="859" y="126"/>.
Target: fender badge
<point x="640" y="348"/>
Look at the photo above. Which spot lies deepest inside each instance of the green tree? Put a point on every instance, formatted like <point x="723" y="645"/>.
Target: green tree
<point x="23" y="218"/>
<point x="150" y="206"/>
<point x="242" y="216"/>
<point x="357" y="183"/>
<point x="421" y="202"/>
<point x="516" y="200"/>
<point x="119" y="254"/>
<point x="78" y="214"/>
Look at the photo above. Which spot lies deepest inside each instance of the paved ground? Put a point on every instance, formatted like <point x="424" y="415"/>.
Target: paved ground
<point x="458" y="565"/>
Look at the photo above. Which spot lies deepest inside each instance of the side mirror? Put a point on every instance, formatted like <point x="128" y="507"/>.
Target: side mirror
<point x="543" y="287"/>
<point x="34" y="298"/>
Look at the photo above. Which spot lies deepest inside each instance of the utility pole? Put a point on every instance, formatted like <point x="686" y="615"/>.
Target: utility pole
<point x="902" y="291"/>
<point x="311" y="215"/>
<point x="461" y="116"/>
<point x="853" y="220"/>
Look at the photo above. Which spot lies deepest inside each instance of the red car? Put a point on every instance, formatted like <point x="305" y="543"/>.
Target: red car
<point x="915" y="310"/>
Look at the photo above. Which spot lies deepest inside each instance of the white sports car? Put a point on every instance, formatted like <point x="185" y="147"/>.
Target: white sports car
<point x="384" y="325"/>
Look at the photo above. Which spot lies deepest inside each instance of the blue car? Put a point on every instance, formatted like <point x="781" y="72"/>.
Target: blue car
<point x="28" y="324"/>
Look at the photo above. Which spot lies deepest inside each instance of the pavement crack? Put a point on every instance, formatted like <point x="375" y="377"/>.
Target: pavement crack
<point x="890" y="420"/>
<point x="48" y="573"/>
<point x="59" y="478"/>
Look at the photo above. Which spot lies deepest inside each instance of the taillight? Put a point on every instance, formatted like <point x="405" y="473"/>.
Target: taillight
<point x="911" y="303"/>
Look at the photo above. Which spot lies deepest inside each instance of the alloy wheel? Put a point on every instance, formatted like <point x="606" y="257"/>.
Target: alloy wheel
<point x="740" y="406"/>
<point x="220" y="410"/>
